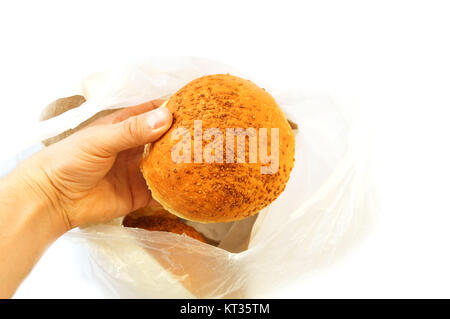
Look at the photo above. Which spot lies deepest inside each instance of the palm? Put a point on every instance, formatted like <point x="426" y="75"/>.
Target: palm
<point x="108" y="186"/>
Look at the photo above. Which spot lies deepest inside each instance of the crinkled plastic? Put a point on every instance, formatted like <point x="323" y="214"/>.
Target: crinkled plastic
<point x="323" y="211"/>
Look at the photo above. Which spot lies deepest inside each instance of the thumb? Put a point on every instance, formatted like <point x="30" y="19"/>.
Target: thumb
<point x="107" y="140"/>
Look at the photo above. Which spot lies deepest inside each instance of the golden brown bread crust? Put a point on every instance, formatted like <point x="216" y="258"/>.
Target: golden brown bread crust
<point x="159" y="223"/>
<point x="219" y="192"/>
<point x="158" y="211"/>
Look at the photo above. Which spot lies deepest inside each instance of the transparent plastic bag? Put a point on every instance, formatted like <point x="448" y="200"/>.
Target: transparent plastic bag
<point x="322" y="212"/>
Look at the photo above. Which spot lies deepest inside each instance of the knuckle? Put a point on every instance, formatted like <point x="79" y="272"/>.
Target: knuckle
<point x="132" y="129"/>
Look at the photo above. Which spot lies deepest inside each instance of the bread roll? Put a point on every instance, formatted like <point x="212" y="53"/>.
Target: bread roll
<point x="162" y="223"/>
<point x="219" y="191"/>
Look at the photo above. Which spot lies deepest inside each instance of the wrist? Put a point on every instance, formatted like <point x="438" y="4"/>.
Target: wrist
<point x="31" y="195"/>
<point x="28" y="228"/>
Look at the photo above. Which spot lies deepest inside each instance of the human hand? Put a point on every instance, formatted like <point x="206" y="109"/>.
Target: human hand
<point x="93" y="175"/>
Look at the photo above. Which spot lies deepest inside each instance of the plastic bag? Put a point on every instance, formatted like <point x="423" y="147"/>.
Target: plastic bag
<point x="322" y="212"/>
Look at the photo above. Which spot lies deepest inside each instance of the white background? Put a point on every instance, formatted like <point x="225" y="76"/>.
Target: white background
<point x="386" y="60"/>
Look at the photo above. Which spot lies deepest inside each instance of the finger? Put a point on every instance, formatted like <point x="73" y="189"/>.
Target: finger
<point x="107" y="140"/>
<point x="123" y="114"/>
<point x="134" y="178"/>
<point x="153" y="203"/>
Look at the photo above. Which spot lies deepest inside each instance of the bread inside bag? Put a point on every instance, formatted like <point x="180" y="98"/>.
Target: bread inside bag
<point x="232" y="236"/>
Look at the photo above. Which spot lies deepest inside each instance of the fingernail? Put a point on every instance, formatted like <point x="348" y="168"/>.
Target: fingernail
<point x="158" y="117"/>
